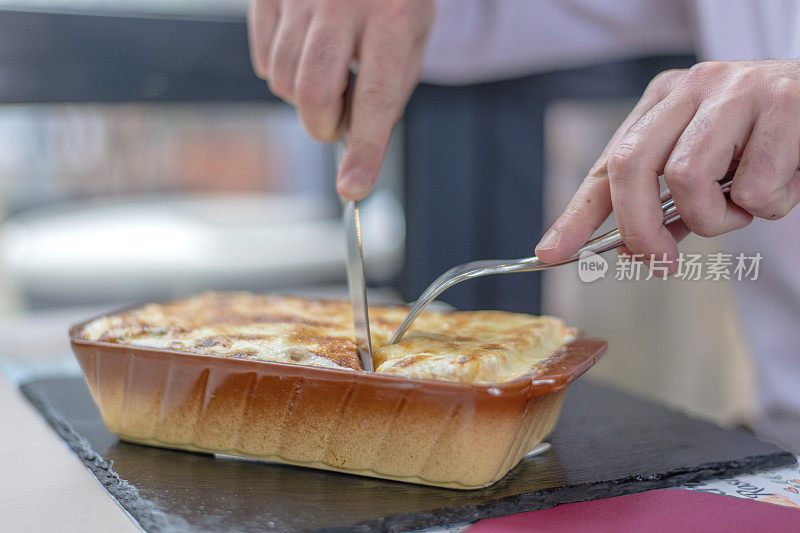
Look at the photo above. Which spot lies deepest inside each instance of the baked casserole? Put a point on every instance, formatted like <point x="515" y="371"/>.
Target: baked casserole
<point x="210" y="374"/>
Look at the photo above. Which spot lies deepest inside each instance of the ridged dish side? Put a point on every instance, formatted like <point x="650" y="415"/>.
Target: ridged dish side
<point x="446" y="435"/>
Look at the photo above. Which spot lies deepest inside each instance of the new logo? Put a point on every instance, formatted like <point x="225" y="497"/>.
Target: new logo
<point x="591" y="267"/>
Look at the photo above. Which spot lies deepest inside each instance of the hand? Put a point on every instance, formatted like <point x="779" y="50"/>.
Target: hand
<point x="304" y="49"/>
<point x="692" y="126"/>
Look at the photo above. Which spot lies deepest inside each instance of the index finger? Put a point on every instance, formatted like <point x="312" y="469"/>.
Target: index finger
<point x="379" y="96"/>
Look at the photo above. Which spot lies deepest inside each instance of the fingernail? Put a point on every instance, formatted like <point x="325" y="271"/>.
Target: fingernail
<point x="549" y="241"/>
<point x="354" y="184"/>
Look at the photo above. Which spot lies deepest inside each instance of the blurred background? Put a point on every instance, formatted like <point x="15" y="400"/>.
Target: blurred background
<point x="141" y="159"/>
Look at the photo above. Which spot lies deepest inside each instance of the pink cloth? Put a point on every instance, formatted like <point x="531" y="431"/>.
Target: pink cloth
<point x="652" y="511"/>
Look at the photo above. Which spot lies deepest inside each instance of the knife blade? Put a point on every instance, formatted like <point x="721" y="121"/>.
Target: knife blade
<point x="356" y="284"/>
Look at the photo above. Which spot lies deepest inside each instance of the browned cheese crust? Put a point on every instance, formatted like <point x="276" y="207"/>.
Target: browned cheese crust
<point x="473" y="346"/>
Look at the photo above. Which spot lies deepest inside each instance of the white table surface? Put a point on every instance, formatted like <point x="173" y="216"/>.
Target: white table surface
<point x="44" y="486"/>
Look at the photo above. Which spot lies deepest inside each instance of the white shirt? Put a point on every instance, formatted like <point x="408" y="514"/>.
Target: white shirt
<point x="480" y="40"/>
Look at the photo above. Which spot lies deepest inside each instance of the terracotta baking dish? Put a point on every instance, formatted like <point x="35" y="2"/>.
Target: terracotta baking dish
<point x="440" y="433"/>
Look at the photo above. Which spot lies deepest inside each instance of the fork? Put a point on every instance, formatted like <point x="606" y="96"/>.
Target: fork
<point x="475" y="269"/>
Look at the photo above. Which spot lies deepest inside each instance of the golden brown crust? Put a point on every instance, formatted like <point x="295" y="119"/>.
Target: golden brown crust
<point x="478" y="346"/>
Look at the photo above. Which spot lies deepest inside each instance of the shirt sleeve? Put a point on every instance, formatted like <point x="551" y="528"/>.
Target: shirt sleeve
<point x="484" y="40"/>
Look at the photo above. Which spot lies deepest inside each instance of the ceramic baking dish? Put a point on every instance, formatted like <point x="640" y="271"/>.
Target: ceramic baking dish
<point x="441" y="433"/>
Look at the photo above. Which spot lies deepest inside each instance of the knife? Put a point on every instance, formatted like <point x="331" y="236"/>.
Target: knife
<point x="356" y="284"/>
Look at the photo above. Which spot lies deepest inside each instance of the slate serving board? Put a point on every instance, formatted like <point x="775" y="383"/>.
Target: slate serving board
<point x="607" y="443"/>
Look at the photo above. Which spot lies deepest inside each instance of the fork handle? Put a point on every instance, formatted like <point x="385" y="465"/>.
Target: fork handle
<point x="613" y="239"/>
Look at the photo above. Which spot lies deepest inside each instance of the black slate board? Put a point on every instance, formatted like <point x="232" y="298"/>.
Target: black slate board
<point x="607" y="443"/>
